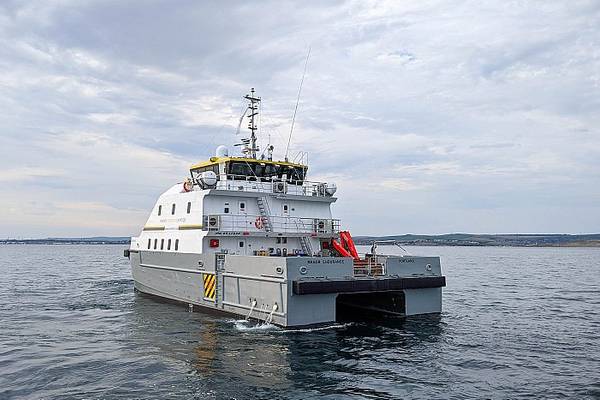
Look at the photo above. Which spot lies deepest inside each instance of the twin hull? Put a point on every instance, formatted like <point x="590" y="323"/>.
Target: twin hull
<point x="289" y="291"/>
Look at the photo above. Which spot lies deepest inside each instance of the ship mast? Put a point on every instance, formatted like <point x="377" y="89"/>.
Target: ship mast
<point x="252" y="124"/>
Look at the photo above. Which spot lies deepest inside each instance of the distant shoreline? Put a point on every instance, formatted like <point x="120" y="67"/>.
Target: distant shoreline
<point x="453" y="239"/>
<point x="471" y="240"/>
<point x="59" y="241"/>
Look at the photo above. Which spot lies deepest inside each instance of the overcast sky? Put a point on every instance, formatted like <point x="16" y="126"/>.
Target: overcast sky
<point x="431" y="116"/>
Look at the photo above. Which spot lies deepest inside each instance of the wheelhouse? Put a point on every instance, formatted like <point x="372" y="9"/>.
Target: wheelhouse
<point x="248" y="169"/>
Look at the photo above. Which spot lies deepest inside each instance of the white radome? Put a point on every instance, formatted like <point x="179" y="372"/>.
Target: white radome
<point x="331" y="188"/>
<point x="222" y="151"/>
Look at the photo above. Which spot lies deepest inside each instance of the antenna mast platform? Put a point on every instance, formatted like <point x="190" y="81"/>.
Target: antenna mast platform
<point x="252" y="124"/>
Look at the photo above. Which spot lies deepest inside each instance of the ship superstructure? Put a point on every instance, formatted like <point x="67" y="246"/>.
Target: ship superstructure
<point x="251" y="236"/>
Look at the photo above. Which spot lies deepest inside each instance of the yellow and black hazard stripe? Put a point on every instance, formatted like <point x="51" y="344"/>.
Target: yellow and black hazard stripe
<point x="210" y="285"/>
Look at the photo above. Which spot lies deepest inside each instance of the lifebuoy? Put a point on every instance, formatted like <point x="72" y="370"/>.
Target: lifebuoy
<point x="187" y="185"/>
<point x="258" y="223"/>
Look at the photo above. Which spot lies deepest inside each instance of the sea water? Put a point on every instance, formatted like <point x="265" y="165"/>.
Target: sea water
<point x="517" y="322"/>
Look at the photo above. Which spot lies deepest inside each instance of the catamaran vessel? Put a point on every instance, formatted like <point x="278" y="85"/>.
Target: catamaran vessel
<point x="250" y="236"/>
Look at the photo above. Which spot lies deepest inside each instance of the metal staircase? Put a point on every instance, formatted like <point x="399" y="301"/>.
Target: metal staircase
<point x="265" y="213"/>
<point x="306" y="246"/>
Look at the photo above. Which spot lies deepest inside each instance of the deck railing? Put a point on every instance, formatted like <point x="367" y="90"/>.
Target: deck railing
<point x="272" y="185"/>
<point x="370" y="266"/>
<point x="279" y="224"/>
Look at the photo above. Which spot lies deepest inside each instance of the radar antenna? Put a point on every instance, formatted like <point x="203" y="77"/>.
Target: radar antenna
<point x="250" y="148"/>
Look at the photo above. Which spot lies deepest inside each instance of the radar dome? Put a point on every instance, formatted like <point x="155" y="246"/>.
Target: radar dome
<point x="222" y="151"/>
<point x="330" y="188"/>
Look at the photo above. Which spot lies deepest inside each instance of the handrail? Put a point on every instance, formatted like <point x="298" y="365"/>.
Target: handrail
<point x="279" y="224"/>
<point x="254" y="178"/>
<point x="265" y="185"/>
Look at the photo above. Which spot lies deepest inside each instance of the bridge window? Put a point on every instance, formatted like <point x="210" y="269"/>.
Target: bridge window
<point x="265" y="171"/>
<point x="162" y="244"/>
<point x="155" y="243"/>
<point x="169" y="245"/>
<point x="240" y="169"/>
<point x="159" y="209"/>
<point x="189" y="208"/>
<point x="149" y="243"/>
<point x="173" y="209"/>
<point x="176" y="244"/>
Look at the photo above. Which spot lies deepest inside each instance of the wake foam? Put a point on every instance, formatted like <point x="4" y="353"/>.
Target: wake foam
<point x="316" y="329"/>
<point x="249" y="326"/>
<point x="244" y="325"/>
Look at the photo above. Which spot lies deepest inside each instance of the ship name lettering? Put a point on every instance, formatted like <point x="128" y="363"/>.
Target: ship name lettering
<point x="325" y="261"/>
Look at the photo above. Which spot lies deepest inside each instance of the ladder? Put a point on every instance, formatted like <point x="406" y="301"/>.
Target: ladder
<point x="306" y="246"/>
<point x="263" y="208"/>
<point x="304" y="240"/>
<point x="219" y="269"/>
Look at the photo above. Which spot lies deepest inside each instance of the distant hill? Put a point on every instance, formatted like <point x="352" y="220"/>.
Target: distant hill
<point x="469" y="239"/>
<point x="89" y="240"/>
<point x="451" y="239"/>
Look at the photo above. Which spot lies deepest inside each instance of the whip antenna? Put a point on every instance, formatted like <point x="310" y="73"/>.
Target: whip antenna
<point x="287" y="149"/>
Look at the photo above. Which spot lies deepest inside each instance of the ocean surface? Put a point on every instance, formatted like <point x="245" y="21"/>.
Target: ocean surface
<point x="517" y="323"/>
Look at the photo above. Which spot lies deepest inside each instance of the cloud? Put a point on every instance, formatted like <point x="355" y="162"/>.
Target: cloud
<point x="448" y="116"/>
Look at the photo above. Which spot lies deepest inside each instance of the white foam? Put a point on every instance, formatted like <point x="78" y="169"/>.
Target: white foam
<point x="320" y="328"/>
<point x="248" y="326"/>
<point x="245" y="325"/>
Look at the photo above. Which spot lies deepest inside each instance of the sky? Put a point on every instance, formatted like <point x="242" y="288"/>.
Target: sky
<point x="430" y="116"/>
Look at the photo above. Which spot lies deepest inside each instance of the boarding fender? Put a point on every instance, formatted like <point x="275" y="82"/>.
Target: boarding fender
<point x="320" y="286"/>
